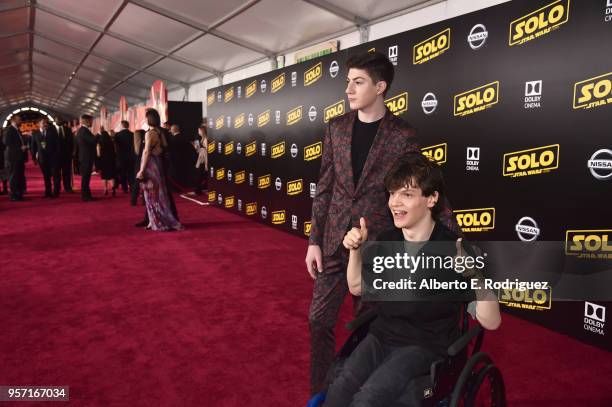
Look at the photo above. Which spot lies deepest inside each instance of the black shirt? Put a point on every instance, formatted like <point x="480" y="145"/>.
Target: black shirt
<point x="363" y="137"/>
<point x="433" y="325"/>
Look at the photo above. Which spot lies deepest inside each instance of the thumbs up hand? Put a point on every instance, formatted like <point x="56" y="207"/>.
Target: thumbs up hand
<point x="356" y="236"/>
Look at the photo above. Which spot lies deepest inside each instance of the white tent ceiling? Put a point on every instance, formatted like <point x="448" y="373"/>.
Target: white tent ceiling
<point x="75" y="55"/>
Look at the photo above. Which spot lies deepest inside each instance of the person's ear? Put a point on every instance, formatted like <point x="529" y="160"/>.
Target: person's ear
<point x="432" y="199"/>
<point x="381" y="87"/>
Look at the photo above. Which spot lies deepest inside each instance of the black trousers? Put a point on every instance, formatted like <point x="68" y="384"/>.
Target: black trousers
<point x="85" y="170"/>
<point x="64" y="169"/>
<point x="377" y="374"/>
<point x="51" y="176"/>
<point x="16" y="177"/>
<point x="126" y="175"/>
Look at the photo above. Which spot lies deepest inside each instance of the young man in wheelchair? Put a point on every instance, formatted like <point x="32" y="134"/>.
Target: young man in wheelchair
<point x="406" y="337"/>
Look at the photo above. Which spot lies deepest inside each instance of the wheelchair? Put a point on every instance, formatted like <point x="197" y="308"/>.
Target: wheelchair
<point x="454" y="381"/>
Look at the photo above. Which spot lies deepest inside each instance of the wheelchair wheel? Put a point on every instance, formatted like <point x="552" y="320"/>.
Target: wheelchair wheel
<point x="476" y="370"/>
<point x="493" y="390"/>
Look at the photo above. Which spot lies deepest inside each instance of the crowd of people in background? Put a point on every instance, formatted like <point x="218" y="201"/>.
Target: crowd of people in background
<point x="142" y="163"/>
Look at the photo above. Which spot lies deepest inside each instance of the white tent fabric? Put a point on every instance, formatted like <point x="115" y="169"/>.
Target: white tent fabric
<point x="76" y="55"/>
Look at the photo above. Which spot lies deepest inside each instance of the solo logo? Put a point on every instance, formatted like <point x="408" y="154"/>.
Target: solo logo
<point x="211" y="147"/>
<point x="239" y="121"/>
<point x="476" y="100"/>
<point x="229" y="95"/>
<point x="313" y="151"/>
<point x="593" y="92"/>
<point x="431" y="48"/>
<point x="240" y="177"/>
<point x="229" y="201"/>
<point x="295" y="187"/>
<point x="250" y="149"/>
<point x="278" y="83"/>
<point x="251" y="208"/>
<point x="211" y="196"/>
<point x="251" y="88"/>
<point x="436" y="153"/>
<point x="337" y="109"/>
<point x="307" y="226"/>
<point x="534" y="161"/>
<point x="539" y="22"/>
<point x="278" y="149"/>
<point x="264" y="181"/>
<point x="294" y="115"/>
<point x="220" y="174"/>
<point x="539" y="299"/>
<point x="398" y="104"/>
<point x="278" y="217"/>
<point x="476" y="220"/>
<point x="313" y="74"/>
<point x="592" y="244"/>
<point x="219" y="122"/>
<point x="229" y="148"/>
<point x="210" y="99"/>
<point x="263" y="118"/>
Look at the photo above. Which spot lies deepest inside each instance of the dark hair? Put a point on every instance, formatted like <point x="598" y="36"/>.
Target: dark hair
<point x="417" y="171"/>
<point x="125" y="124"/>
<point x="86" y="117"/>
<point x="153" y="118"/>
<point x="376" y="64"/>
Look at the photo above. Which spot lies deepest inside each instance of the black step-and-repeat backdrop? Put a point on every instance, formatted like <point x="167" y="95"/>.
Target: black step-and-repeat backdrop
<point x="513" y="101"/>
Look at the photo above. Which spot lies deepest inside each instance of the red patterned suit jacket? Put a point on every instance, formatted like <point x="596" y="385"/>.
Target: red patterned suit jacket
<point x="339" y="203"/>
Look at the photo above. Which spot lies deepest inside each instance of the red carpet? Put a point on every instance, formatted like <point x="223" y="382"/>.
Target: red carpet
<point x="215" y="315"/>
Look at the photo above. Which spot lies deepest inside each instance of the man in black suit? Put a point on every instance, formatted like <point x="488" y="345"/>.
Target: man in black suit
<point x="66" y="151"/>
<point x="124" y="141"/>
<point x="86" y="152"/>
<point x="45" y="152"/>
<point x="15" y="157"/>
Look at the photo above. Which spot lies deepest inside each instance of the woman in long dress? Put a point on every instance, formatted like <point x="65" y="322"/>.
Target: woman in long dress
<point x="153" y="179"/>
<point x="107" y="162"/>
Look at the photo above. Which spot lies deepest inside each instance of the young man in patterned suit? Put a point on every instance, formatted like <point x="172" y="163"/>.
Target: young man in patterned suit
<point x="359" y="148"/>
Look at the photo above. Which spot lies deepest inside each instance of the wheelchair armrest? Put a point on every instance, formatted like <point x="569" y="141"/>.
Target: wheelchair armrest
<point x="365" y="317"/>
<point x="462" y="342"/>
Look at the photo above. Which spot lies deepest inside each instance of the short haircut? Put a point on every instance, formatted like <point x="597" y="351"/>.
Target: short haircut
<point x="376" y="64"/>
<point x="417" y="171"/>
<point x="86" y="117"/>
<point x="125" y="124"/>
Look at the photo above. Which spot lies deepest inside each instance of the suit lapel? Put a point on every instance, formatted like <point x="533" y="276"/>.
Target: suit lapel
<point x="374" y="153"/>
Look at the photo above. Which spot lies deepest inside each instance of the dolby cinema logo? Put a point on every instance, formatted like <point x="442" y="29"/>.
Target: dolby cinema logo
<point x="251" y="179"/>
<point x="429" y="103"/>
<point x="533" y="94"/>
<point x="219" y="98"/>
<point x="333" y="69"/>
<point x="393" y="54"/>
<point x="313" y="189"/>
<point x="472" y="159"/>
<point x="312" y="113"/>
<point x="293" y="79"/>
<point x="263" y="86"/>
<point x="239" y="92"/>
<point x="240" y="205"/>
<point x="594" y="318"/>
<point x="229" y="122"/>
<point x="220" y="199"/>
<point x="600" y="164"/>
<point x="478" y="36"/>
<point x="527" y="229"/>
<point x="219" y="147"/>
<point x="294" y="222"/>
<point x="262" y="148"/>
<point x="250" y="119"/>
<point x="210" y="123"/>
<point x="277" y="117"/>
